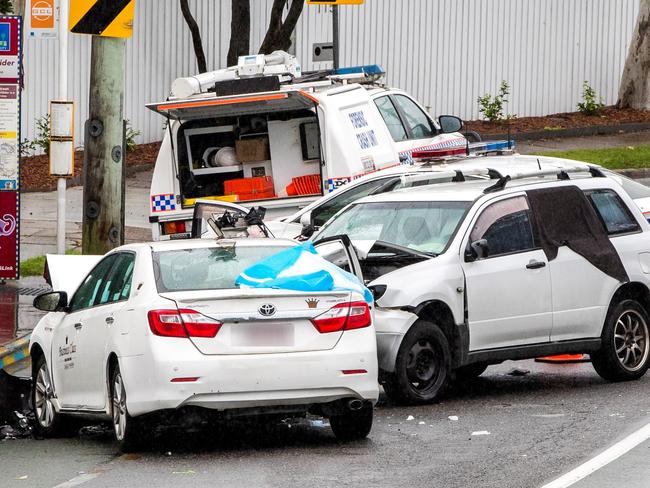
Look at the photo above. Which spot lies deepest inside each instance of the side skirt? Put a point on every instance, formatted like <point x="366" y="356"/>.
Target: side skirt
<point x="585" y="346"/>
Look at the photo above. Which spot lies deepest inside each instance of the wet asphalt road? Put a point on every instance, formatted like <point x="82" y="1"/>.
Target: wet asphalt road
<point x="540" y="425"/>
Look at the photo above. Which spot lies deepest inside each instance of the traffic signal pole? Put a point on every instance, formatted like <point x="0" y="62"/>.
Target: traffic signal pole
<point x="103" y="215"/>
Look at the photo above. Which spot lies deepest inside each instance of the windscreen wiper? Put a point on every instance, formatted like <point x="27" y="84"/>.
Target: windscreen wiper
<point x="402" y="249"/>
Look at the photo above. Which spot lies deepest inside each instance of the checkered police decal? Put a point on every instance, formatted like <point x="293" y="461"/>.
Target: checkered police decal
<point x="163" y="203"/>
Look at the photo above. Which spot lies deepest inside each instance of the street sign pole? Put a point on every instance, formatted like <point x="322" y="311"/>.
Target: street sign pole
<point x="335" y="30"/>
<point x="62" y="95"/>
<point x="103" y="216"/>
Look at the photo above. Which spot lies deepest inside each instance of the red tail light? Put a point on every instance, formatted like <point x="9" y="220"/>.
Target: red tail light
<point x="182" y="323"/>
<point x="344" y="316"/>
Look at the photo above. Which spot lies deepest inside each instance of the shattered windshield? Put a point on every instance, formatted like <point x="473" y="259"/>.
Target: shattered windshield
<point x="426" y="227"/>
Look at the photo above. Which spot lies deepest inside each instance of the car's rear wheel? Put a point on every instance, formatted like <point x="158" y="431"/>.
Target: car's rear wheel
<point x="353" y="425"/>
<point x="422" y="367"/>
<point x="48" y="422"/>
<point x="126" y="428"/>
<point x="624" y="350"/>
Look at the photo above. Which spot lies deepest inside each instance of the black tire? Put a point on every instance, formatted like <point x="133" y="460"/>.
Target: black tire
<point x="47" y="421"/>
<point x="127" y="430"/>
<point x="470" y="372"/>
<point x="423" y="366"/>
<point x="353" y="425"/>
<point x="624" y="352"/>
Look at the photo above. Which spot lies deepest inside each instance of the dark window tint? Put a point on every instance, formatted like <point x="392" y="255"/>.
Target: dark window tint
<point x="506" y="226"/>
<point x="615" y="215"/>
<point x="89" y="290"/>
<point x="417" y="121"/>
<point x="326" y="211"/>
<point x="391" y="117"/>
<point x="117" y="285"/>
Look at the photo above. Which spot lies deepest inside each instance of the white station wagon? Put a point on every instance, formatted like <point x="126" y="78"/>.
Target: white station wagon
<point x="162" y="326"/>
<point x="472" y="273"/>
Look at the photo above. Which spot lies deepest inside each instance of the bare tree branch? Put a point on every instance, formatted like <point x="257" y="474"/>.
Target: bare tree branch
<point x="240" y="28"/>
<point x="196" y="36"/>
<point x="278" y="35"/>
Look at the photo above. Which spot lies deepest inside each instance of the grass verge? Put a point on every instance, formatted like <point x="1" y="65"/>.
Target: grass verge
<point x="35" y="266"/>
<point x="612" y="157"/>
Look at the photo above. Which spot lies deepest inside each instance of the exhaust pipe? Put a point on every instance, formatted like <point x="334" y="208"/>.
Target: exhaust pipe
<point x="355" y="404"/>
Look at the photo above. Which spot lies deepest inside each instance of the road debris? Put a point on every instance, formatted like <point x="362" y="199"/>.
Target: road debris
<point x="518" y="372"/>
<point x="480" y="432"/>
<point x="453" y="418"/>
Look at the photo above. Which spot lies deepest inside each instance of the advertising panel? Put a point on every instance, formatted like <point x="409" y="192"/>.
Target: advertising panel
<point x="9" y="251"/>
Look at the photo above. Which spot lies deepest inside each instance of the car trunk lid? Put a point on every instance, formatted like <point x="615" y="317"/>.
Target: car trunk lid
<point x="261" y="321"/>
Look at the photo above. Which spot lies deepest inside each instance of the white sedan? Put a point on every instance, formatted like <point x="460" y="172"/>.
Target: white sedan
<point x="162" y="326"/>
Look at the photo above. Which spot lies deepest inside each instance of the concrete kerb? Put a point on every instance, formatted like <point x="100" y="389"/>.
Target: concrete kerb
<point x="14" y="352"/>
<point x="595" y="130"/>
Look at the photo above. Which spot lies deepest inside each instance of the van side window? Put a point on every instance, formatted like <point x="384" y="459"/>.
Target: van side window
<point x="506" y="225"/>
<point x="418" y="123"/>
<point x="614" y="214"/>
<point x="391" y="118"/>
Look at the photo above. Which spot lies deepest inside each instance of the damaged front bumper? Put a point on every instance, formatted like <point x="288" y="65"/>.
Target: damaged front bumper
<point x="391" y="325"/>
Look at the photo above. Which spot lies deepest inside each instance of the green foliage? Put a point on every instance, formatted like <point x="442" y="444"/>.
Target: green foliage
<point x="591" y="103"/>
<point x="35" y="266"/>
<point x="42" y="141"/>
<point x="131" y="134"/>
<point x="612" y="157"/>
<point x="6" y="7"/>
<point x="492" y="107"/>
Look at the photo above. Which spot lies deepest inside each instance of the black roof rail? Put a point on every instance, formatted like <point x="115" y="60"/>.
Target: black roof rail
<point x="596" y="172"/>
<point x="563" y="175"/>
<point x="460" y="177"/>
<point x="494" y="174"/>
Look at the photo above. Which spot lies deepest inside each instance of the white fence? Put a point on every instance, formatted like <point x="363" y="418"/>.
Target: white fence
<point x="445" y="52"/>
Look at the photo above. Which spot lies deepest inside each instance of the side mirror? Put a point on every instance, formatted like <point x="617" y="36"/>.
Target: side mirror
<point x="477" y="250"/>
<point x="308" y="228"/>
<point x="450" y="123"/>
<point x="54" y="301"/>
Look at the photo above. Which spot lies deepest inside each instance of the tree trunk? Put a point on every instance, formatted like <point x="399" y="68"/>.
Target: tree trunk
<point x="634" y="91"/>
<point x="240" y="30"/>
<point x="196" y="36"/>
<point x="278" y="35"/>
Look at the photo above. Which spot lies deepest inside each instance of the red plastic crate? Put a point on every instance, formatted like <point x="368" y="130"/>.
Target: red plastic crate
<point x="250" y="186"/>
<point x="307" y="185"/>
<point x="260" y="195"/>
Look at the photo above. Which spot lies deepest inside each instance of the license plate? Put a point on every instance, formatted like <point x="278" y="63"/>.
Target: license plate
<point x="263" y="335"/>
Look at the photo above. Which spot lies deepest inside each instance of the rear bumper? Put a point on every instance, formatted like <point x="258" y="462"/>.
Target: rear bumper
<point x="248" y="381"/>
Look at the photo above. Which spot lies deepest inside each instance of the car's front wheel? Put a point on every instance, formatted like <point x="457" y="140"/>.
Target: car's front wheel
<point x="352" y="425"/>
<point x="624" y="351"/>
<point x="48" y="422"/>
<point x="422" y="367"/>
<point x="126" y="428"/>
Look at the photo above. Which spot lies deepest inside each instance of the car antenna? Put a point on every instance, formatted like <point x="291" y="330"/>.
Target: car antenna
<point x="539" y="165"/>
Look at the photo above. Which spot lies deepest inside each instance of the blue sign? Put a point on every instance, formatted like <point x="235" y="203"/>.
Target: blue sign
<point x="5" y="37"/>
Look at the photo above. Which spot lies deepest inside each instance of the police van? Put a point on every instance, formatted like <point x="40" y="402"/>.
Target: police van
<point x="263" y="133"/>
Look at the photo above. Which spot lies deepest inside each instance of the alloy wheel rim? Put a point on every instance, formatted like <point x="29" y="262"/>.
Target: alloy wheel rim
<point x="423" y="365"/>
<point x="631" y="340"/>
<point x="119" y="408"/>
<point x="43" y="397"/>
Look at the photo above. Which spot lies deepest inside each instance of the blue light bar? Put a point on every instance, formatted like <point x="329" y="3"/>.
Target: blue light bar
<point x="368" y="69"/>
<point x="490" y="146"/>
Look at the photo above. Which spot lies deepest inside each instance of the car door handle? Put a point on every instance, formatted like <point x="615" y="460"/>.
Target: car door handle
<point x="533" y="264"/>
<point x="110" y="320"/>
<point x="78" y="325"/>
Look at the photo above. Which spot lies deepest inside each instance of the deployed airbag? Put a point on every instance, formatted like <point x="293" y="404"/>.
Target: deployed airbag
<point x="563" y="216"/>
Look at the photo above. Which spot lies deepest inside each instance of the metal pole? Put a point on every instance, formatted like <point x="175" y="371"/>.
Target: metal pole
<point x="62" y="95"/>
<point x="103" y="225"/>
<point x="335" y="28"/>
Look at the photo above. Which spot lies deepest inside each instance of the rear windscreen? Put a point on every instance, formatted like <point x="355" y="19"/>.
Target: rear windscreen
<point x="214" y="268"/>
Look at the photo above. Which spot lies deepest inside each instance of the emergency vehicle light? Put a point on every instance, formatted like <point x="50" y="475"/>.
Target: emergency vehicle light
<point x="439" y="153"/>
<point x="491" y="146"/>
<point x="368" y="70"/>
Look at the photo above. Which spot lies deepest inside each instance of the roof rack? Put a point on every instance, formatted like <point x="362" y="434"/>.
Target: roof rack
<point x="560" y="173"/>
